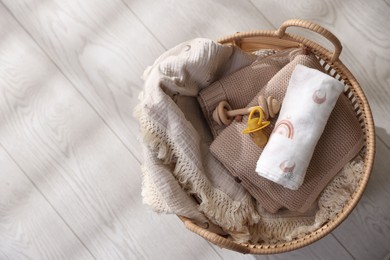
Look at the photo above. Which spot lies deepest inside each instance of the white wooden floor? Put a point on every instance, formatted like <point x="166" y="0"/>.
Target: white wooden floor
<point x="69" y="156"/>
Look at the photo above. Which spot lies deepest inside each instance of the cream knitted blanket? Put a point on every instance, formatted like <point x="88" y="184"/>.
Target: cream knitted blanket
<point x="176" y="156"/>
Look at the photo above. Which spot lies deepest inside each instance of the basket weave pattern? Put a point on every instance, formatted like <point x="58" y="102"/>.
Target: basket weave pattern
<point x="279" y="39"/>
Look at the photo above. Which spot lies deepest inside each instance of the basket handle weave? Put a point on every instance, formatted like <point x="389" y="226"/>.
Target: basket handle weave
<point x="315" y="28"/>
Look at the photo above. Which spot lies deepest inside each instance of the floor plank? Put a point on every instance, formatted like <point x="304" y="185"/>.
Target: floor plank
<point x="76" y="161"/>
<point x="29" y="226"/>
<point x="102" y="49"/>
<point x="190" y="19"/>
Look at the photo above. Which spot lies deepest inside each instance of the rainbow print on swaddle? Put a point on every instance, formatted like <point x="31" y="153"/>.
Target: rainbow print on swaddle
<point x="310" y="98"/>
<point x="284" y="127"/>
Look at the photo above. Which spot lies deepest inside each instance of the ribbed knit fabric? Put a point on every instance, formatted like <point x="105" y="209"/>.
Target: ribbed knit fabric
<point x="339" y="143"/>
<point x="240" y="87"/>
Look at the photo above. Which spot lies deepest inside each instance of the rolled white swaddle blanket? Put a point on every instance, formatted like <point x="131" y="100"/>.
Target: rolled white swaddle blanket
<point x="310" y="98"/>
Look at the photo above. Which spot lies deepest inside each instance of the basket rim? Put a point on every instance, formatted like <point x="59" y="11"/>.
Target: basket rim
<point x="280" y="40"/>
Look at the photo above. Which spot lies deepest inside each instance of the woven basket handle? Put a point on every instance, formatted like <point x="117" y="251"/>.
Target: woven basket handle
<point x="315" y="28"/>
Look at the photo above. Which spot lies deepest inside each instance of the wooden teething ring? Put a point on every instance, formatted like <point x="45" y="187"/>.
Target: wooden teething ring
<point x="220" y="113"/>
<point x="223" y="113"/>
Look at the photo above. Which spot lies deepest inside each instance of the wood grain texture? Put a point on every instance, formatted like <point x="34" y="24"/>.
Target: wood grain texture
<point x="68" y="85"/>
<point x="364" y="30"/>
<point x="101" y="48"/>
<point x="29" y="226"/>
<point x="173" y="22"/>
<point x="76" y="161"/>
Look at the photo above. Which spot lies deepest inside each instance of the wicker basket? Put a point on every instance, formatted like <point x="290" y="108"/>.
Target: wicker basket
<point x="279" y="39"/>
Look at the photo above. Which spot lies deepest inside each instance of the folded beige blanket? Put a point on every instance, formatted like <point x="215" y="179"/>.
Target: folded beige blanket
<point x="240" y="87"/>
<point x="339" y="143"/>
<point x="177" y="163"/>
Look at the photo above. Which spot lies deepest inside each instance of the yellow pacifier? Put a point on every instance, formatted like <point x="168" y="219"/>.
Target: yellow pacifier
<point x="255" y="124"/>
